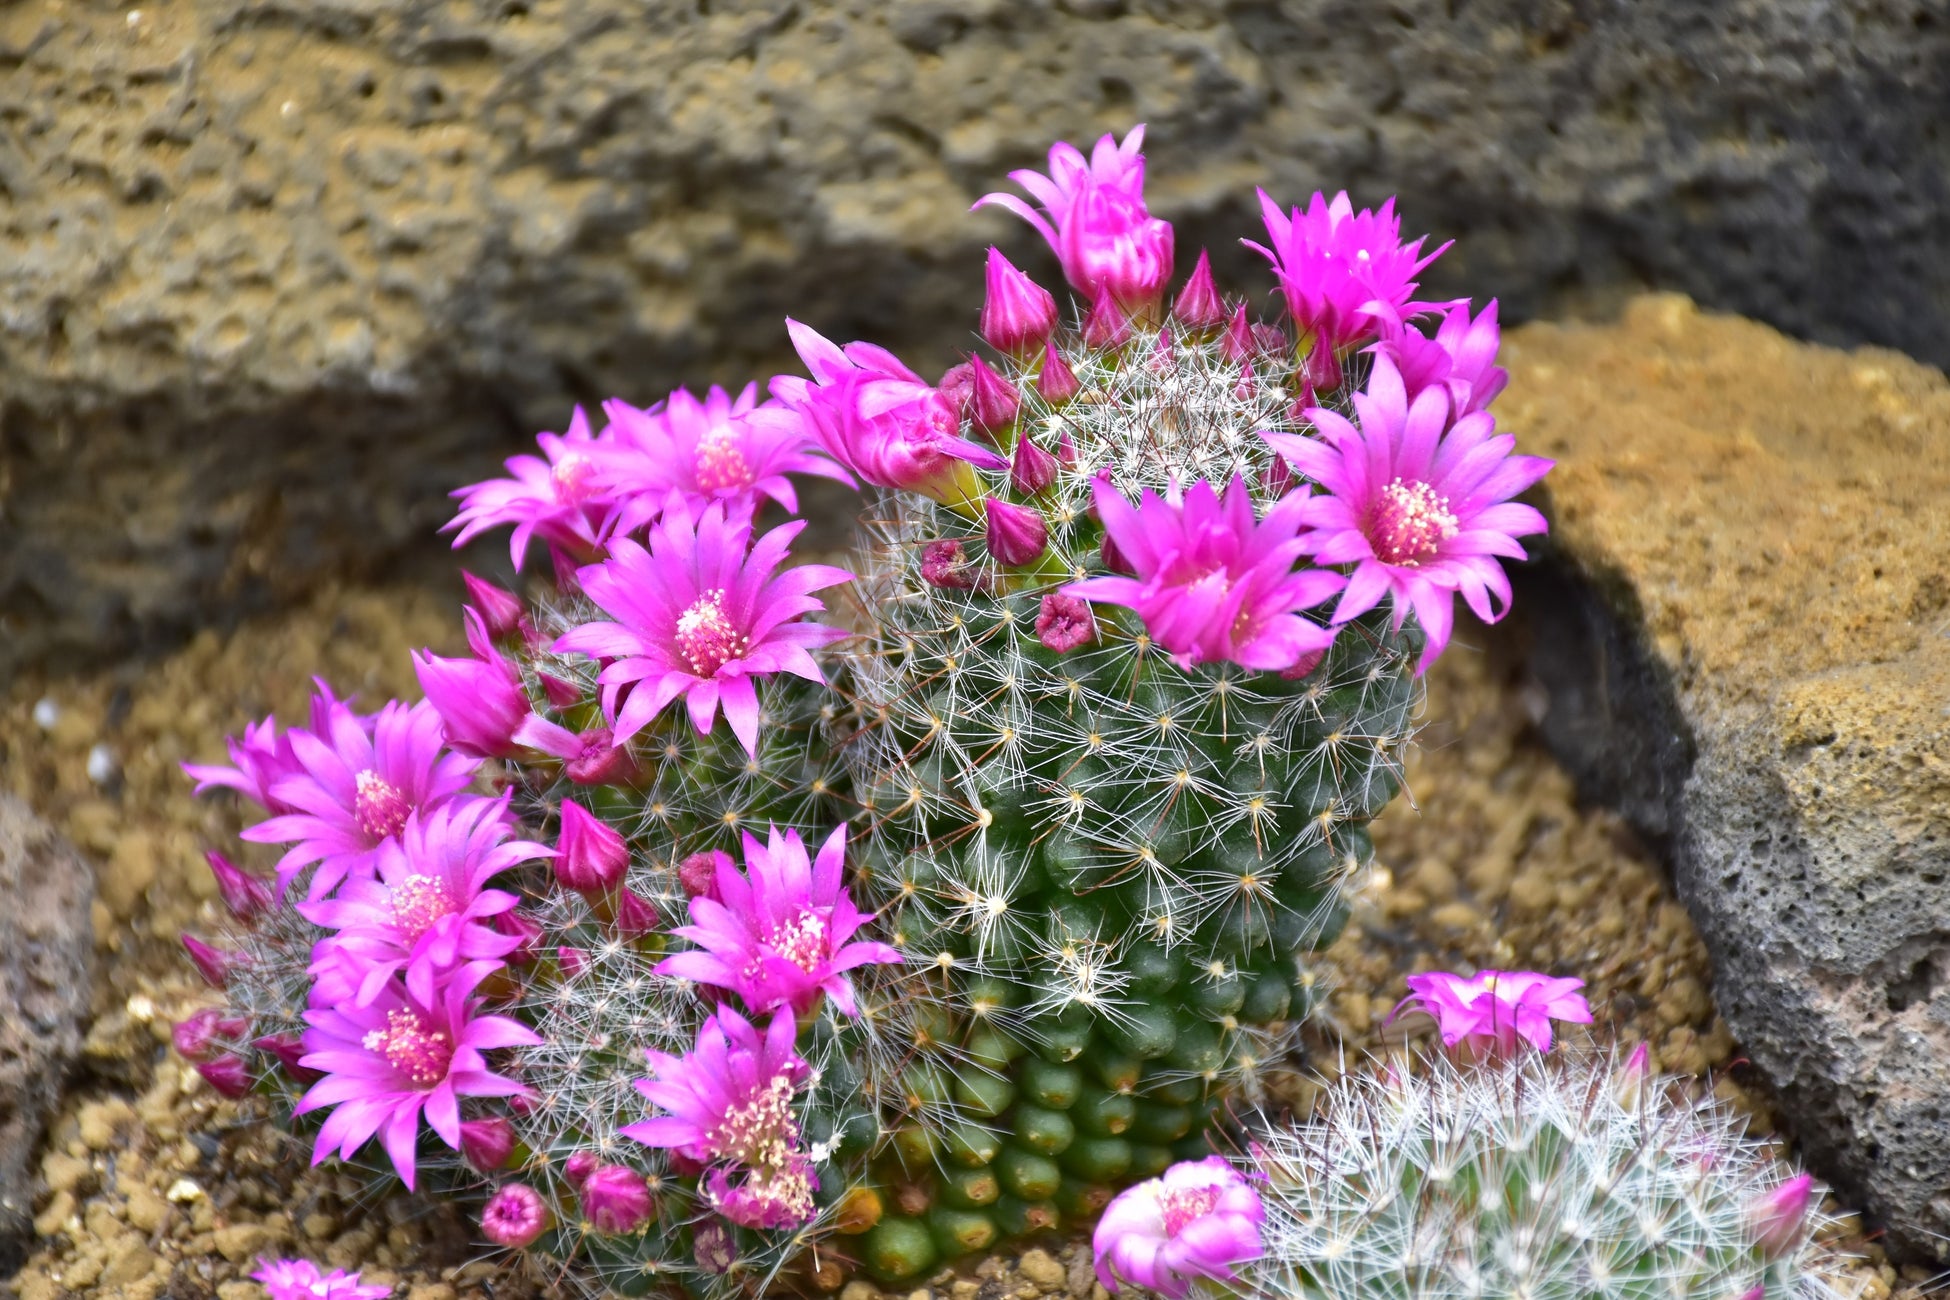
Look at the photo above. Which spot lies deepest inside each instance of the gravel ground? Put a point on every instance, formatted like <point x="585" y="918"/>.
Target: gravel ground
<point x="156" y="1187"/>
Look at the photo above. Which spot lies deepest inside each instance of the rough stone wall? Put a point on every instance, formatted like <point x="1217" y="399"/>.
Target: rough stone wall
<point x="275" y="274"/>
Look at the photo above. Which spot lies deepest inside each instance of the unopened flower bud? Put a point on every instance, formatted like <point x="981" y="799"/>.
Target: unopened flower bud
<point x="1269" y="339"/>
<point x="698" y="874"/>
<point x="616" y="1200"/>
<point x="1198" y="306"/>
<point x="526" y="930"/>
<point x="1779" y="1216"/>
<point x="245" y="895"/>
<point x="1033" y="469"/>
<point x="514" y="1216"/>
<point x="1106" y="326"/>
<point x="289" y="1049"/>
<point x="1057" y="383"/>
<point x="993" y="402"/>
<point x="1630" y="1082"/>
<point x="1304" y="665"/>
<point x="635" y="916"/>
<point x="487" y="1143"/>
<point x="1113" y="558"/>
<point x="227" y="1074"/>
<point x="1064" y="623"/>
<point x="573" y="961"/>
<point x="957" y="388"/>
<point x="197" y="1038"/>
<point x="1322" y="368"/>
<point x="1238" y="344"/>
<point x="1019" y="314"/>
<point x="602" y="761"/>
<point x="943" y="565"/>
<point x="561" y="694"/>
<point x="1017" y="535"/>
<point x="500" y="611"/>
<point x="590" y="855"/>
<point x="213" y="964"/>
<point x="578" y="1167"/>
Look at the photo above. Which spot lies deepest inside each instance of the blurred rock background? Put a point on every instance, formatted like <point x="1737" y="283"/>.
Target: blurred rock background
<point x="276" y="275"/>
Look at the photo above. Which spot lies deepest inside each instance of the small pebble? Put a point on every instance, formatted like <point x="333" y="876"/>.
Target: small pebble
<point x="47" y="714"/>
<point x="102" y="765"/>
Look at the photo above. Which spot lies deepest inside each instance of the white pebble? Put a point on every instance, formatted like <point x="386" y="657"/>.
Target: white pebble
<point x="46" y="713"/>
<point x="183" y="1190"/>
<point x="101" y="765"/>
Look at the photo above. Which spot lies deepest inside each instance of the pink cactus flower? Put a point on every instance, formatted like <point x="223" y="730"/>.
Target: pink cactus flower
<point x="358" y="781"/>
<point x="299" y="1279"/>
<point x="616" y="1200"/>
<point x="429" y="911"/>
<point x="1343" y="272"/>
<point x="1197" y="1220"/>
<point x="705" y="451"/>
<point x="590" y="856"/>
<point x="591" y="757"/>
<point x="876" y="417"/>
<point x="480" y="699"/>
<point x="562" y="499"/>
<point x="387" y="1064"/>
<point x="1211" y="581"/>
<point x="1095" y="220"/>
<point x="1019" y="315"/>
<point x="1460" y="358"/>
<point x="1419" y="506"/>
<point x="698" y="617"/>
<point x="1064" y="623"/>
<point x="259" y="761"/>
<point x="730" y="1100"/>
<point x="1493" y="1009"/>
<point x="780" y="933"/>
<point x="514" y="1216"/>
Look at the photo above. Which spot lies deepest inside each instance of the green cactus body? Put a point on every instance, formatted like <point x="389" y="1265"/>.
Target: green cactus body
<point x="1105" y="863"/>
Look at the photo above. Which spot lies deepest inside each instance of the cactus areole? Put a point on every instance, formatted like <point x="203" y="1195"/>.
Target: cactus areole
<point x="726" y="925"/>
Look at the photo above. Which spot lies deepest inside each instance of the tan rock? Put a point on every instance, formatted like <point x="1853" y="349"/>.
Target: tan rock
<point x="1042" y="1269"/>
<point x="1746" y="641"/>
<point x="241" y="1241"/>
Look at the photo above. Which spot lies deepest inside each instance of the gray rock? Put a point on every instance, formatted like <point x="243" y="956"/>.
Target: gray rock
<point x="1744" y="632"/>
<point x="46" y="960"/>
<point x="274" y="276"/>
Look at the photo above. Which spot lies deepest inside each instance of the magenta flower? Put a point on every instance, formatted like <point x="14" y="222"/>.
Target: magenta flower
<point x="430" y="909"/>
<point x="480" y="700"/>
<point x="1212" y="582"/>
<point x="514" y="1216"/>
<point x="1460" y="358"/>
<point x="1195" y="1221"/>
<point x="781" y="932"/>
<point x="563" y="499"/>
<point x="730" y="1100"/>
<point x="697" y="617"/>
<point x="1421" y="507"/>
<point x="1095" y="220"/>
<point x="591" y="757"/>
<point x="388" y="1063"/>
<point x="259" y="761"/>
<point x="358" y="780"/>
<point x="1494" y="1009"/>
<point x="876" y="417"/>
<point x="299" y="1279"/>
<point x="706" y="451"/>
<point x="1343" y="272"/>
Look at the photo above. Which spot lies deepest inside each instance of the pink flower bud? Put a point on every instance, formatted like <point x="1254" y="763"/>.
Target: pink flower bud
<point x="616" y="1200"/>
<point x="1238" y="345"/>
<point x="197" y="1038"/>
<point x="1269" y="339"/>
<point x="245" y="895"/>
<point x="712" y="1246"/>
<point x="500" y="611"/>
<point x="487" y="1143"/>
<point x="227" y="1074"/>
<point x="514" y="1216"/>
<point x="1198" y="306"/>
<point x="1247" y="385"/>
<point x="1277" y="477"/>
<point x="561" y="694"/>
<point x="572" y="960"/>
<point x="1064" y="623"/>
<point x="578" y="1167"/>
<point x="213" y="964"/>
<point x="1113" y="558"/>
<point x="1305" y="664"/>
<point x="590" y="855"/>
<point x="944" y="566"/>
<point x="1057" y="383"/>
<point x="602" y="761"/>
<point x="480" y="699"/>
<point x="1106" y="326"/>
<point x="1629" y="1085"/>
<point x="635" y="917"/>
<point x="1033" y="469"/>
<point x="1322" y="368"/>
<point x="288" y="1049"/>
<point x="1017" y="534"/>
<point x="1019" y="313"/>
<point x="523" y="928"/>
<point x="1780" y="1216"/>
<point x="993" y="403"/>
<point x="698" y="874"/>
<point x="957" y="387"/>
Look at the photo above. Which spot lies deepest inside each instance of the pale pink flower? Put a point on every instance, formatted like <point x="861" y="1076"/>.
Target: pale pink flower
<point x="1197" y="1220"/>
<point x="1211" y="581"/>
<point x="699" y="617"/>
<point x="1493" y="1009"/>
<point x="514" y="1216"/>
<point x="299" y="1279"/>
<point x="1343" y="272"/>
<point x="1093" y="216"/>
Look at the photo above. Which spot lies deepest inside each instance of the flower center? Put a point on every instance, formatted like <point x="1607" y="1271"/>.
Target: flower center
<point x="721" y="465"/>
<point x="1184" y="1205"/>
<point x="760" y="1132"/>
<point x="379" y="806"/>
<point x="419" y="902"/>
<point x="421" y="1054"/>
<point x="802" y="941"/>
<point x="573" y="477"/>
<point x="706" y="636"/>
<point x="1410" y="524"/>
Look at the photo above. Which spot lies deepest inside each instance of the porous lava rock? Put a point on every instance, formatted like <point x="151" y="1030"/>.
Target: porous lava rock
<point x="1744" y="629"/>
<point x="275" y="276"/>
<point x="46" y="960"/>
